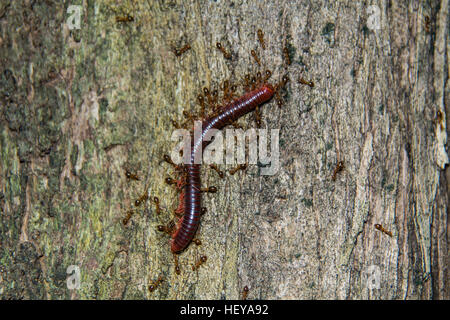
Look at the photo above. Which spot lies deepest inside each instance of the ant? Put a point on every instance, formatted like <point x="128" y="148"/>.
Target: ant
<point x="128" y="217"/>
<point x="286" y="56"/>
<point x="226" y="54"/>
<point x="155" y="284"/>
<point x="339" y="167"/>
<point x="255" y="56"/>
<point x="201" y="261"/>
<point x="156" y="202"/>
<point x="141" y="199"/>
<point x="219" y="172"/>
<point x="168" y="228"/>
<point x="177" y="267"/>
<point x="236" y="169"/>
<point x="380" y="227"/>
<point x="131" y="176"/>
<point x="245" y="293"/>
<point x="261" y="39"/>
<point x="179" y="52"/>
<point x="211" y="189"/>
<point x="308" y="83"/>
<point x="126" y="18"/>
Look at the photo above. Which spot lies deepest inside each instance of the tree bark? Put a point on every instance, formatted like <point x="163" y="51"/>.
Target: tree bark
<point x="79" y="106"/>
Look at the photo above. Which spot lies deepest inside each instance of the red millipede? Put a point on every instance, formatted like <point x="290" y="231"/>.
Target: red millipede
<point x="191" y="196"/>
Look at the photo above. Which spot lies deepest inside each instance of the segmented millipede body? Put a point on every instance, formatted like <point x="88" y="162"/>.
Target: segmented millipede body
<point x="188" y="224"/>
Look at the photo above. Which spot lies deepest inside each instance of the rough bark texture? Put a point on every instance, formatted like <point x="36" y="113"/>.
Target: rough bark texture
<point x="79" y="106"/>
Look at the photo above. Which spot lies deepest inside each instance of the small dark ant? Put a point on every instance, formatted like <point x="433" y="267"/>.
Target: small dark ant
<point x="226" y="54"/>
<point x="245" y="293"/>
<point x="236" y="169"/>
<point x="141" y="199"/>
<point x="306" y="82"/>
<point x="126" y="18"/>
<point x="128" y="217"/>
<point x="211" y="189"/>
<point x="177" y="267"/>
<point x="131" y="176"/>
<point x="201" y="261"/>
<point x="179" y="52"/>
<point x="152" y="287"/>
<point x="219" y="172"/>
<point x="380" y="227"/>
<point x="261" y="39"/>
<point x="255" y="56"/>
<point x="286" y="56"/>
<point x="169" y="228"/>
<point x="156" y="202"/>
<point x="339" y="167"/>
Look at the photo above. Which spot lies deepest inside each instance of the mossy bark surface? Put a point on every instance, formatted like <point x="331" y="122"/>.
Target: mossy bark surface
<point x="79" y="106"/>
